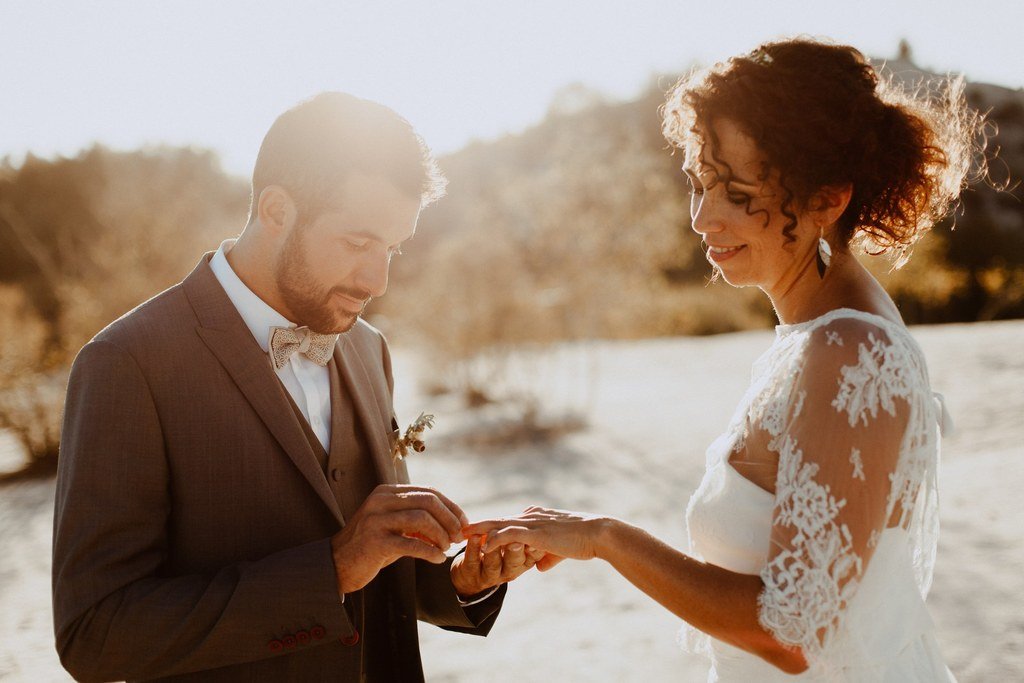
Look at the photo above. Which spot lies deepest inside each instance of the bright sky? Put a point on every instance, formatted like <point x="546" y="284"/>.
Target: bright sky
<point x="215" y="73"/>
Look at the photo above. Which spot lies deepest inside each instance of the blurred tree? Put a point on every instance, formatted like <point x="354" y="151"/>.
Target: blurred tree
<point x="83" y="240"/>
<point x="585" y="216"/>
<point x="577" y="228"/>
<point x="987" y="245"/>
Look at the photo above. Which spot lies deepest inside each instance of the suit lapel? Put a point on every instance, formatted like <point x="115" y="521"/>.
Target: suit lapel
<point x="353" y="373"/>
<point x="225" y="333"/>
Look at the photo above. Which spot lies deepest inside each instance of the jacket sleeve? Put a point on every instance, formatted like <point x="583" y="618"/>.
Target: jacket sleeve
<point x="118" y="611"/>
<point x="436" y="600"/>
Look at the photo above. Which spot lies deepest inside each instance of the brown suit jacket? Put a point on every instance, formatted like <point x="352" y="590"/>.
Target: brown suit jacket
<point x="193" y="520"/>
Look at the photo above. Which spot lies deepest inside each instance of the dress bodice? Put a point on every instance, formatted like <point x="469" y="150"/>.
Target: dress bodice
<point x="845" y="545"/>
<point x="729" y="518"/>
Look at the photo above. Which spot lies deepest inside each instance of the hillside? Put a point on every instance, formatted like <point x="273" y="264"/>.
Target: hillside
<point x="586" y="216"/>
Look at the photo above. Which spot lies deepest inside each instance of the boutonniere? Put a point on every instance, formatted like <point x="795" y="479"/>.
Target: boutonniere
<point x="412" y="440"/>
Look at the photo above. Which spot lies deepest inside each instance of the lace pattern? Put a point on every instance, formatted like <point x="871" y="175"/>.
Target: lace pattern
<point x="879" y="377"/>
<point x="846" y="405"/>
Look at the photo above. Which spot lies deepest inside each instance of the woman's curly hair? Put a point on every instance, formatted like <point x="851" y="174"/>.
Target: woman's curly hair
<point x="822" y="116"/>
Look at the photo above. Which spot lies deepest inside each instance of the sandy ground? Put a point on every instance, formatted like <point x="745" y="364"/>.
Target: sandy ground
<point x="654" y="408"/>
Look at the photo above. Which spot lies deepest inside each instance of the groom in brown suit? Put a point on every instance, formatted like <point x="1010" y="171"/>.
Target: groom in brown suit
<point x="227" y="505"/>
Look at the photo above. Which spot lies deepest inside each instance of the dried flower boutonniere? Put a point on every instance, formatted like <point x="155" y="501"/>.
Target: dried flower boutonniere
<point x="412" y="440"/>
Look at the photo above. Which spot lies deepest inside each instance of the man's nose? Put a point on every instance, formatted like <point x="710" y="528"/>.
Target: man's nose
<point x="373" y="274"/>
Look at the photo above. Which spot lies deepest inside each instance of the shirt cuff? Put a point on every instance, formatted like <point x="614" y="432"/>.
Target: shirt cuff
<point x="472" y="600"/>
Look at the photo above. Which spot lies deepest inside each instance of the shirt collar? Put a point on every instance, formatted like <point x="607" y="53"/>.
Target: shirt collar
<point x="258" y="316"/>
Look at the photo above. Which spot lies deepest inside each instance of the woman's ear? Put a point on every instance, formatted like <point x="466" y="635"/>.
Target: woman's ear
<point x="829" y="203"/>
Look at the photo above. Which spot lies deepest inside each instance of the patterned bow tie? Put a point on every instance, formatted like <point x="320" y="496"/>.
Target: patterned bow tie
<point x="285" y="341"/>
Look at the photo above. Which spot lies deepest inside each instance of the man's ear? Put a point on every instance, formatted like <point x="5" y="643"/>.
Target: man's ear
<point x="276" y="210"/>
<point x="829" y="202"/>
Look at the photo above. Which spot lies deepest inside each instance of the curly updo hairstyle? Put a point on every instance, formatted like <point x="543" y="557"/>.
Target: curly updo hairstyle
<point x="823" y="116"/>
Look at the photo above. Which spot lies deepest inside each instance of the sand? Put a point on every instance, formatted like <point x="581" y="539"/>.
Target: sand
<point x="653" y="408"/>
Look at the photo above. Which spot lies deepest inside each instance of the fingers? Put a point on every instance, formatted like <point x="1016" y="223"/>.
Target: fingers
<point x="548" y="561"/>
<point x="513" y="561"/>
<point x="472" y="554"/>
<point x="456" y="511"/>
<point x="449" y="516"/>
<point x="491" y="566"/>
<point x="530" y="514"/>
<point x="448" y="503"/>
<point x="488" y="525"/>
<point x="506" y="536"/>
<point x="403" y="546"/>
<point x="394" y="521"/>
<point x="416" y="523"/>
<point x="515" y="554"/>
<point x="514" y="557"/>
<point x="476" y="571"/>
<point x="534" y="555"/>
<point x="407" y="490"/>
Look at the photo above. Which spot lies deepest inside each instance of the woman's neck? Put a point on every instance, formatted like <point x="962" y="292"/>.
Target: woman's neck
<point x="846" y="284"/>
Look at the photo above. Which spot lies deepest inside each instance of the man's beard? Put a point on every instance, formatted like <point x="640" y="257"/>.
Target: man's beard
<point x="307" y="302"/>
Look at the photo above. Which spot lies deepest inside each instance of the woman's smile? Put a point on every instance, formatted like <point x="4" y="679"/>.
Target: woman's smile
<point x="720" y="254"/>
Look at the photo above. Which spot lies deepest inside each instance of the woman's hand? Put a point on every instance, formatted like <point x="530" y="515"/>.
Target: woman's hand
<point x="558" y="533"/>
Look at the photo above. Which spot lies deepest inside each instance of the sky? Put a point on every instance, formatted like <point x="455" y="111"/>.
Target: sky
<point x="215" y="73"/>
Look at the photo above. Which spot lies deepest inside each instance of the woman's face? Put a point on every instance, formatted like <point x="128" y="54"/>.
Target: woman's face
<point x="741" y="221"/>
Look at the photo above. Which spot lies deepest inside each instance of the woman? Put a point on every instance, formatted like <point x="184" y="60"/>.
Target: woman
<point x="813" y="532"/>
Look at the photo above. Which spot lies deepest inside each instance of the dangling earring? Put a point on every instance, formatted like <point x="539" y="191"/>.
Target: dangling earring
<point x="824" y="253"/>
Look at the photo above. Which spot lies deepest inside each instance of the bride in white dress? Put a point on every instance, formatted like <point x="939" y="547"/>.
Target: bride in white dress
<point x="813" y="532"/>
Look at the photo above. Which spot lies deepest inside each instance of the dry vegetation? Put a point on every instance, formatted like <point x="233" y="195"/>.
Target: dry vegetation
<point x="82" y="241"/>
<point x="574" y="230"/>
<point x="579" y="228"/>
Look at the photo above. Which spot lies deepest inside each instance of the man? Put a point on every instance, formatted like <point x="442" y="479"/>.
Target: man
<point x="227" y="505"/>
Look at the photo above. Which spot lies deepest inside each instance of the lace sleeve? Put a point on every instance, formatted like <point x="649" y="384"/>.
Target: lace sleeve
<point x="839" y="453"/>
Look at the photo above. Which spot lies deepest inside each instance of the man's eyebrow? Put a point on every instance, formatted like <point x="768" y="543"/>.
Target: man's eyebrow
<point x="363" y="234"/>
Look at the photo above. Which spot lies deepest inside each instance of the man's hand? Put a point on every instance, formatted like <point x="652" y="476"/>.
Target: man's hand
<point x="394" y="521"/>
<point x="475" y="571"/>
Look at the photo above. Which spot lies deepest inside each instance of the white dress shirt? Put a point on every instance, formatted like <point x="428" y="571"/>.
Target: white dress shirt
<point x="308" y="384"/>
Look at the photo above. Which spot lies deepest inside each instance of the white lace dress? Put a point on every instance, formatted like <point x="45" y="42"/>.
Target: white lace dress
<point x="846" y="543"/>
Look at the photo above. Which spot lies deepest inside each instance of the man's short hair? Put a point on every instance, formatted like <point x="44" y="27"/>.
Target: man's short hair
<point x="311" y="148"/>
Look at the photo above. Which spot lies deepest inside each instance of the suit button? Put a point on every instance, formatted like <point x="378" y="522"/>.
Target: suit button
<point x="350" y="640"/>
<point x="317" y="632"/>
<point x="275" y="645"/>
<point x="336" y="474"/>
<point x="289" y="641"/>
<point x="302" y="637"/>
